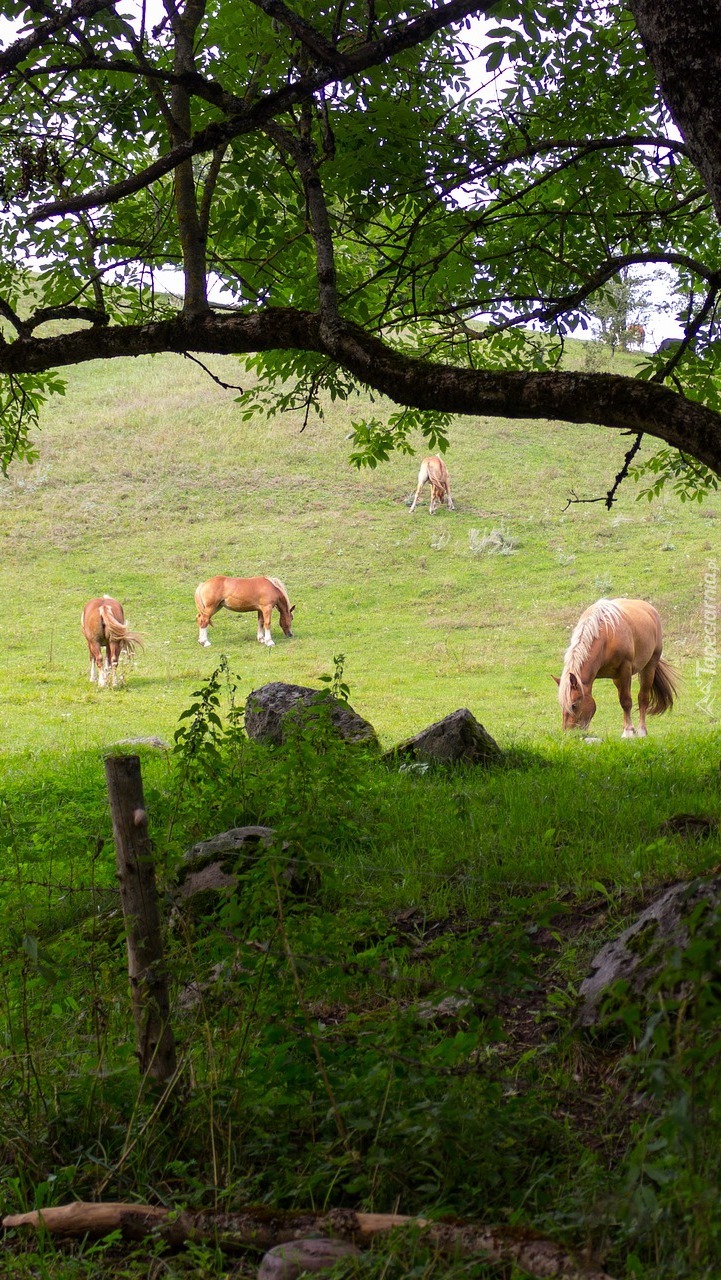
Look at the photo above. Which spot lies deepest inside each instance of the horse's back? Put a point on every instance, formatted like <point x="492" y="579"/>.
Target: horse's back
<point x="241" y="594"/>
<point x="437" y="470"/>
<point x="644" y="624"/>
<point x="642" y="616"/>
<point x="91" y="617"/>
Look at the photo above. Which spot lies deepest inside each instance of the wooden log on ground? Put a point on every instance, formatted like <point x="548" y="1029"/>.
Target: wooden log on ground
<point x="262" y="1228"/>
<point x="139" y="898"/>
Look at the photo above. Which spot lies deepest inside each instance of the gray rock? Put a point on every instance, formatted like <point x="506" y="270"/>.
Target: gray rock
<point x="144" y="742"/>
<point x="209" y="871"/>
<point x="457" y="737"/>
<point x="287" y="1261"/>
<point x="449" y="1008"/>
<point x="225" y="847"/>
<point x="267" y="708"/>
<point x="196" y="991"/>
<point x="642" y="950"/>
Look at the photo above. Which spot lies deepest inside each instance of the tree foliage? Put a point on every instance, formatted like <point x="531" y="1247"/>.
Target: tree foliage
<point x="421" y="199"/>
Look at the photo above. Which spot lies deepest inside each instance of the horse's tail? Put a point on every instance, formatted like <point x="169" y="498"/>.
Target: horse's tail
<point x="199" y="601"/>
<point x="664" y="688"/>
<point x="438" y="472"/>
<point x="277" y="583"/>
<point x="119" y="631"/>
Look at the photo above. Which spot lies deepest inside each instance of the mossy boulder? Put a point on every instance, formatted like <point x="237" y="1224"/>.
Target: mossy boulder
<point x="640" y="954"/>
<point x="270" y="709"/>
<point x="455" y="739"/>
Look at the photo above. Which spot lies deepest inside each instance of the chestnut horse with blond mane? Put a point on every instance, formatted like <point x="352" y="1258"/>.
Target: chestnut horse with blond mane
<point x="616" y="639"/>
<point x="244" y="595"/>
<point x="105" y="628"/>
<point x="434" y="472"/>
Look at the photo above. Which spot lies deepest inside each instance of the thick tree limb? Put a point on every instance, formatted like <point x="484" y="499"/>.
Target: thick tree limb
<point x="19" y="50"/>
<point x="262" y="1228"/>
<point x="310" y="38"/>
<point x="605" y="399"/>
<point x="683" y="45"/>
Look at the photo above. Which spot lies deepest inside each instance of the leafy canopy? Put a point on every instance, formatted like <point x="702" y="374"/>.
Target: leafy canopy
<point x="389" y="196"/>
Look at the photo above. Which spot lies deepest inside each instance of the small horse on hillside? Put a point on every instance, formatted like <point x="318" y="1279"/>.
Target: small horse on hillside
<point x="104" y="627"/>
<point x="243" y="595"/>
<point x="434" y="472"/>
<point x="616" y="639"/>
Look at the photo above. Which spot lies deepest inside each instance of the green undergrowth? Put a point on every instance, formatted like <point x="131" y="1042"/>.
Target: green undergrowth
<point x="380" y="1015"/>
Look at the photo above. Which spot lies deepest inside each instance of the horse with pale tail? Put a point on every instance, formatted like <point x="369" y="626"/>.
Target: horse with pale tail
<point x="616" y="639"/>
<point x="244" y="595"/>
<point x="105" y="629"/>
<point x="434" y="472"/>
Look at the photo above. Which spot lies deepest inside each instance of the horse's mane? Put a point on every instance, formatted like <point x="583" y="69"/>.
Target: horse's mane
<point x="587" y="630"/>
<point x="277" y="583"/>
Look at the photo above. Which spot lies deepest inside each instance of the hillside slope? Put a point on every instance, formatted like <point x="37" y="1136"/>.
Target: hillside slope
<point x="149" y="481"/>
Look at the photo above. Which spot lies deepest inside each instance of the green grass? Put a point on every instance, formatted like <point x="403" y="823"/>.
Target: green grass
<point x="148" y="481"/>
<point x="496" y="883"/>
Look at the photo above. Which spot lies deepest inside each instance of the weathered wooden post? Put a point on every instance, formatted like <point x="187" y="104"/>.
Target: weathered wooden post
<point x="139" y="898"/>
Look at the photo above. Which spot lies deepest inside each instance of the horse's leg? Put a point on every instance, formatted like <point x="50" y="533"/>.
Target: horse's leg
<point x="267" y="614"/>
<point x="96" y="660"/>
<point x="623" y="684"/>
<point x="449" y="499"/>
<point x="261" y="632"/>
<point x="103" y="668"/>
<point x="415" y="499"/>
<point x="203" y="631"/>
<point x="434" y="500"/>
<point x="646" y="678"/>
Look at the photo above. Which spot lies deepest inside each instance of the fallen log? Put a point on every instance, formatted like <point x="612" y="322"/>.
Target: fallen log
<point x="261" y="1228"/>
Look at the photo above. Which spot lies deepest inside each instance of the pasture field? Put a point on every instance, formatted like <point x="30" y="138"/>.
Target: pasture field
<point x="148" y="482"/>
<point x="432" y="961"/>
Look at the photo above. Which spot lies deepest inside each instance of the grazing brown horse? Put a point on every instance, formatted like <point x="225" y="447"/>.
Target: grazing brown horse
<point x="616" y="639"/>
<point x="243" y="595"/>
<point x="434" y="472"/>
<point x="104" y="627"/>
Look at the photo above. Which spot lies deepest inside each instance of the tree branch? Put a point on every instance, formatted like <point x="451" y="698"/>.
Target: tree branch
<point x="311" y="39"/>
<point x="610" y="497"/>
<point x="248" y="119"/>
<point x="609" y="400"/>
<point x="262" y="1228"/>
<point x="14" y="55"/>
<point x="302" y="152"/>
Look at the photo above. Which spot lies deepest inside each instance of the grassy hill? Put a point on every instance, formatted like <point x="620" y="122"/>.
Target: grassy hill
<point x="481" y="894"/>
<point x="148" y="481"/>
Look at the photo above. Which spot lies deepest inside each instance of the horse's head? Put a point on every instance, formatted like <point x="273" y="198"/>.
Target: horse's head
<point x="286" y="620"/>
<point x="578" y="704"/>
<point x="203" y="619"/>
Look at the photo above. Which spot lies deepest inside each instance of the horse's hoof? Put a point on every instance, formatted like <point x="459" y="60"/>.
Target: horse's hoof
<point x="629" y="733"/>
<point x="205" y="644"/>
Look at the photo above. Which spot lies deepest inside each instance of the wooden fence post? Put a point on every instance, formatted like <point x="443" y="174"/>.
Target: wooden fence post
<point x="139" y="898"/>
